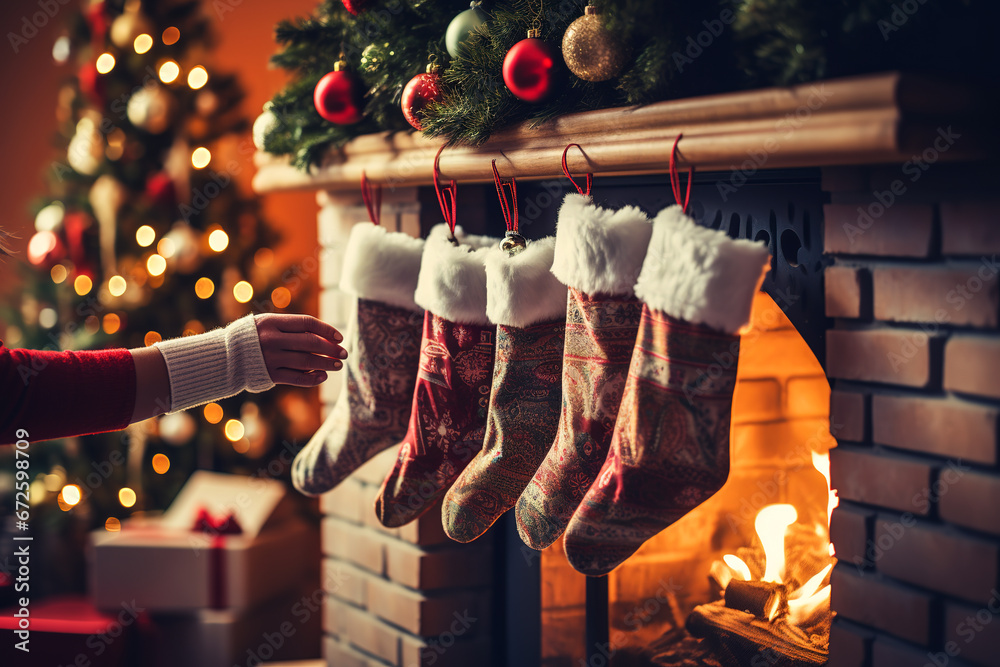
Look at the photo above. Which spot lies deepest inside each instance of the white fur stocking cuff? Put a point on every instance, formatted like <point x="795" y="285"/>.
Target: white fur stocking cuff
<point x="452" y="282"/>
<point x="215" y="365"/>
<point x="521" y="289"/>
<point x="700" y="275"/>
<point x="381" y="265"/>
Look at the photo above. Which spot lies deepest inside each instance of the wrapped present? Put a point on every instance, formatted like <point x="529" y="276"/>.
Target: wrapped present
<point x="67" y="630"/>
<point x="227" y="543"/>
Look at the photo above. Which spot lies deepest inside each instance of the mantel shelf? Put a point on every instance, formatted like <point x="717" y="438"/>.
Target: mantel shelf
<point x="874" y="119"/>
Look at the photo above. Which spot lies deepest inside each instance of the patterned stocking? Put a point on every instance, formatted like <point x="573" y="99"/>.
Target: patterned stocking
<point x="452" y="392"/>
<point x="381" y="268"/>
<point x="670" y="450"/>
<point x="598" y="255"/>
<point x="528" y="304"/>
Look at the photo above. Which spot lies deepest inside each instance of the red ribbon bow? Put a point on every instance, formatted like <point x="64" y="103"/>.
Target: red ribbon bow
<point x="206" y="523"/>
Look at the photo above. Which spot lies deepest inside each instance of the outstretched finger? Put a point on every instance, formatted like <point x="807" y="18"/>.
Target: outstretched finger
<point x="298" y="378"/>
<point x="311" y="343"/>
<point x="308" y="324"/>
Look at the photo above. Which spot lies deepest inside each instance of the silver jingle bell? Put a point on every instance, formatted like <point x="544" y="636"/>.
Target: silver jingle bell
<point x="513" y="243"/>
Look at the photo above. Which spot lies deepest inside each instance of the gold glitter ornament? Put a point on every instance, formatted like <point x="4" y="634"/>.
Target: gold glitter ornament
<point x="591" y="51"/>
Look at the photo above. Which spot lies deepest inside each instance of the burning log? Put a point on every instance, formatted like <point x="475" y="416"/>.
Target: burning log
<point x="740" y="638"/>
<point x="763" y="599"/>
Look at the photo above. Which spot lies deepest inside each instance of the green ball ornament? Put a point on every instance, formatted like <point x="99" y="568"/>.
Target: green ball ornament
<point x="461" y="26"/>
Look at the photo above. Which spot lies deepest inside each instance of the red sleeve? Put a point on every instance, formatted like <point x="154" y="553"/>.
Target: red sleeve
<point x="59" y="394"/>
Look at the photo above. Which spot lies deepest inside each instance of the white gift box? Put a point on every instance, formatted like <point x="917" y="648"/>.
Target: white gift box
<point x="162" y="565"/>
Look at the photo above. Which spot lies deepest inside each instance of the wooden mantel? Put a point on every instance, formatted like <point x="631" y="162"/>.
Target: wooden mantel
<point x="882" y="118"/>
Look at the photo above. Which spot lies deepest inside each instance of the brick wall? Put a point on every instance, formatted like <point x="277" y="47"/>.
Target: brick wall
<point x="914" y="360"/>
<point x="401" y="597"/>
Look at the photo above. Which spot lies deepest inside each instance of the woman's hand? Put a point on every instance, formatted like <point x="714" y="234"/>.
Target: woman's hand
<point x="299" y="349"/>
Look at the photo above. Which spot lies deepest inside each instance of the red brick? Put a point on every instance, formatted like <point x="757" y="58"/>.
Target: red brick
<point x="891" y="653"/>
<point x="441" y="652"/>
<point x="844" y="179"/>
<point x="354" y="544"/>
<point x="875" y="479"/>
<point x="959" y="294"/>
<point x="426" y="531"/>
<point x="898" y="610"/>
<point x="971" y="499"/>
<point x="349" y="500"/>
<point x="889" y="356"/>
<point x="345" y="582"/>
<point x="970" y="228"/>
<point x="373" y="636"/>
<point x="342" y="655"/>
<point x="975" y="640"/>
<point x="848" y="415"/>
<point x="972" y="365"/>
<point x="948" y="427"/>
<point x="939" y="559"/>
<point x="427" y="615"/>
<point x="903" y="230"/>
<point x="850" y="531"/>
<point x="461" y="565"/>
<point x="850" y="644"/>
<point x="843" y="286"/>
<point x="335" y="615"/>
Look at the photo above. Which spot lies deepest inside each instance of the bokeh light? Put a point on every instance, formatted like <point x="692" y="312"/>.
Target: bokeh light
<point x="83" y="284"/>
<point x="112" y="323"/>
<point x="161" y="463"/>
<point x="105" y="63"/>
<point x="143" y="43"/>
<point x="145" y="236"/>
<point x="281" y="297"/>
<point x="156" y="265"/>
<point x="197" y="77"/>
<point x="169" y="71"/>
<point x="218" y="240"/>
<point x="59" y="273"/>
<point x="213" y="413"/>
<point x="243" y="291"/>
<point x="117" y="285"/>
<point x="171" y="35"/>
<point x="71" y="494"/>
<point x="151" y="338"/>
<point x="47" y="318"/>
<point x="204" y="288"/>
<point x="263" y="258"/>
<point x="166" y="247"/>
<point x="234" y="430"/>
<point x="200" y="157"/>
<point x="126" y="497"/>
<point x="112" y="525"/>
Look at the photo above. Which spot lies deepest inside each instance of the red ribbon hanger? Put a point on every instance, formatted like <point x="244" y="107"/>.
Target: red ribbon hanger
<point x="565" y="166"/>
<point x="503" y="187"/>
<point x="447" y="196"/>
<point x="372" y="196"/>
<point x="675" y="178"/>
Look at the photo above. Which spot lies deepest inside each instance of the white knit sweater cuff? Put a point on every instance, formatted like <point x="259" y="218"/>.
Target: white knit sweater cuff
<point x="215" y="365"/>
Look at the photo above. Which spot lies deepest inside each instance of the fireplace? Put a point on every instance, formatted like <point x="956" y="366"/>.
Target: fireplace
<point x="872" y="357"/>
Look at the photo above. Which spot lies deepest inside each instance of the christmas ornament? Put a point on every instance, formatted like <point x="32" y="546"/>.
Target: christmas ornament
<point x="338" y="97"/>
<point x="531" y="68"/>
<point x="107" y="196"/>
<point x="460" y="27"/>
<point x="92" y="84"/>
<point x="45" y="249"/>
<point x="670" y="450"/>
<point x="383" y="343"/>
<point x="592" y="52"/>
<point x="50" y="218"/>
<point x="418" y="93"/>
<point x="86" y="149"/>
<point x="151" y="109"/>
<point x="452" y="391"/>
<point x="357" y="7"/>
<point x="266" y="123"/>
<point x="177" y="428"/>
<point x="527" y="388"/>
<point x="598" y="256"/>
<point x="128" y="25"/>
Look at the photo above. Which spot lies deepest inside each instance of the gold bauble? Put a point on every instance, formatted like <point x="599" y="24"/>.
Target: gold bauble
<point x="591" y="51"/>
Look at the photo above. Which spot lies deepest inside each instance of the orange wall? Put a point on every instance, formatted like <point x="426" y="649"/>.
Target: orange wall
<point x="30" y="81"/>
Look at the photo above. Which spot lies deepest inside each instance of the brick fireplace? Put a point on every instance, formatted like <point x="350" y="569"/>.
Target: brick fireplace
<point x="875" y="339"/>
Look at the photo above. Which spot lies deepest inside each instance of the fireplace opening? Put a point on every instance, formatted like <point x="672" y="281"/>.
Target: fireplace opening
<point x="746" y="575"/>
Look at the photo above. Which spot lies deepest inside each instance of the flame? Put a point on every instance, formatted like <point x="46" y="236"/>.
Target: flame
<point x="771" y="524"/>
<point x="822" y="463"/>
<point x="738" y="566"/>
<point x="809" y="598"/>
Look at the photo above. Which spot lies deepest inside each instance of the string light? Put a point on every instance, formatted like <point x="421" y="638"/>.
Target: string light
<point x="213" y="413"/>
<point x="59" y="273"/>
<point x="117" y="285"/>
<point x="151" y="337"/>
<point x="200" y="157"/>
<point x="197" y="77"/>
<point x="41" y="244"/>
<point x="234" y="430"/>
<point x="281" y="297"/>
<point x="161" y="464"/>
<point x="171" y="35"/>
<point x="156" y="265"/>
<point x="243" y="291"/>
<point x="143" y="43"/>
<point x="112" y="323"/>
<point x="47" y="318"/>
<point x="83" y="284"/>
<point x="105" y="63"/>
<point x="112" y="525"/>
<point x="204" y="288"/>
<point x="71" y="494"/>
<point x="145" y="236"/>
<point x="218" y="240"/>
<point x="169" y="71"/>
<point x="166" y="247"/>
<point x="126" y="497"/>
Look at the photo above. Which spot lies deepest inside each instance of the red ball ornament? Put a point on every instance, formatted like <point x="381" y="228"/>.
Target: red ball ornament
<point x="92" y="84"/>
<point x="357" y="6"/>
<point x="338" y="96"/>
<point x="418" y="93"/>
<point x="532" y="69"/>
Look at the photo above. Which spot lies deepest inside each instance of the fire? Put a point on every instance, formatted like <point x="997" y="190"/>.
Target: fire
<point x="738" y="566"/>
<point x="771" y="524"/>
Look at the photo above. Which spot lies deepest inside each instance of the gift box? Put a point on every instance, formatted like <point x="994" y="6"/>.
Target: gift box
<point x="67" y="630"/>
<point x="227" y="543"/>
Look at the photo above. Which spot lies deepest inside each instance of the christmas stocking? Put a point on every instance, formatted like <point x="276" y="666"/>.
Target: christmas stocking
<point x="598" y="256"/>
<point x="452" y="392"/>
<point x="371" y="414"/>
<point x="528" y="305"/>
<point x="670" y="450"/>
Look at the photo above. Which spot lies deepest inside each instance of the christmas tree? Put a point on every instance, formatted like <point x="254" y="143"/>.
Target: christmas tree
<point x="143" y="235"/>
<point x="628" y="52"/>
